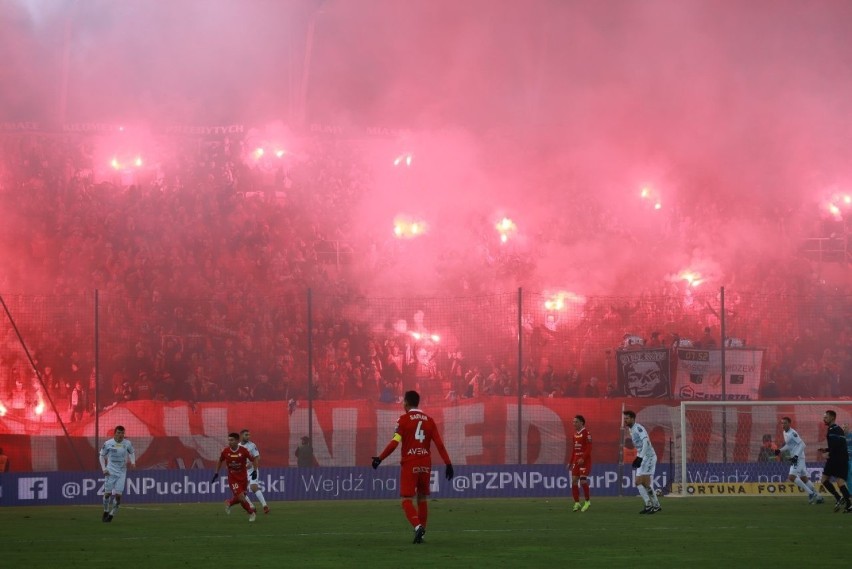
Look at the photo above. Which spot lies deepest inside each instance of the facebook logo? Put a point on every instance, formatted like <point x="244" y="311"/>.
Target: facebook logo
<point x="32" y="488"/>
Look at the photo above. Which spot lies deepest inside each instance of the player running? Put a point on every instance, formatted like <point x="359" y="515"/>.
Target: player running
<point x="236" y="457"/>
<point x="416" y="431"/>
<point x="644" y="463"/>
<point x="795" y="447"/>
<point x="113" y="458"/>
<point x="581" y="463"/>
<point x="837" y="462"/>
<point x="253" y="474"/>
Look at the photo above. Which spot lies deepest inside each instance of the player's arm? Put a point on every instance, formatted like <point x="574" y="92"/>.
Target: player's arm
<point x="587" y="450"/>
<point x="255" y="462"/>
<point x="643" y="446"/>
<point x="216" y="470"/>
<point x="131" y="453"/>
<point x="102" y="459"/>
<point x="394" y="442"/>
<point x="442" y="450"/>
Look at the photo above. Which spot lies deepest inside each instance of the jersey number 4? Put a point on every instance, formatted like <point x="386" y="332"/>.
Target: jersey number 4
<point x="418" y="432"/>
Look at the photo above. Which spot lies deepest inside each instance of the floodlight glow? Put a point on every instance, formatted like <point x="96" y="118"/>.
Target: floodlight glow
<point x="834" y="210"/>
<point x="415" y="335"/>
<point x="504" y="238"/>
<point x="279" y="153"/>
<point x="258" y="153"/>
<point x="644" y="193"/>
<point x="2" y="409"/>
<point x="397" y="229"/>
<point x="658" y="205"/>
<point x="847" y="199"/>
<point x="39" y="408"/>
<point x="115" y="164"/>
<point x="408" y="160"/>
<point x="138" y="161"/>
<point x="435" y="338"/>
<point x="415" y="229"/>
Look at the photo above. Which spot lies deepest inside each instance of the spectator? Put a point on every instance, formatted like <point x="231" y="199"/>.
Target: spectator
<point x="767" y="450"/>
<point x="305" y="454"/>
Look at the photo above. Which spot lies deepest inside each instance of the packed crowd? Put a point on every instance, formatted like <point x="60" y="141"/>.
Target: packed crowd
<point x="202" y="269"/>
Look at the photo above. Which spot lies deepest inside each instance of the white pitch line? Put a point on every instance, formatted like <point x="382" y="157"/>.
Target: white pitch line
<point x="340" y="533"/>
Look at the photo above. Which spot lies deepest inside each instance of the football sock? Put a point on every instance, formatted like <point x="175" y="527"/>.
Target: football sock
<point x="410" y="512"/>
<point x="801" y="484"/>
<point x="830" y="487"/>
<point x="260" y="497"/>
<point x="114" y="510"/>
<point x="585" y="484"/>
<point x="423" y="511"/>
<point x="844" y="490"/>
<point x="234" y="501"/>
<point x="644" y="493"/>
<point x="575" y="491"/>
<point x="810" y="486"/>
<point x="246" y="504"/>
<point x="106" y="502"/>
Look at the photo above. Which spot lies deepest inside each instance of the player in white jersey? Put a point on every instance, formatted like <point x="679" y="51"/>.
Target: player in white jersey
<point x="795" y="447"/>
<point x="645" y="463"/>
<point x="113" y="458"/>
<point x="253" y="474"/>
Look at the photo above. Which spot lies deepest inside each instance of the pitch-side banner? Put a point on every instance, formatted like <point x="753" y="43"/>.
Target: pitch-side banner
<point x="698" y="376"/>
<point x="354" y="483"/>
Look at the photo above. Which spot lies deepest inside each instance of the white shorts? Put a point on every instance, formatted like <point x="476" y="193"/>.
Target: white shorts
<point x="647" y="467"/>
<point x="114" y="483"/>
<point x="800" y="469"/>
<point x="257" y="482"/>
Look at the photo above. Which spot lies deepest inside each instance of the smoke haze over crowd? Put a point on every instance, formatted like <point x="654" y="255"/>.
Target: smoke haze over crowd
<point x="735" y="117"/>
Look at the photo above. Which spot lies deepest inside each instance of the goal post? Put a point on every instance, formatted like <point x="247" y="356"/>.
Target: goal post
<point x="728" y="447"/>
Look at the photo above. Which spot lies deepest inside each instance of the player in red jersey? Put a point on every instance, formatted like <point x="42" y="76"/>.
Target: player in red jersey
<point x="416" y="431"/>
<point x="236" y="457"/>
<point x="581" y="463"/>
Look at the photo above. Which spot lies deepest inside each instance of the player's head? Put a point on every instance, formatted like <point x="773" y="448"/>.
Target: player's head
<point x="233" y="440"/>
<point x="785" y="423"/>
<point x="245" y="435"/>
<point x="411" y="399"/>
<point x="767" y="440"/>
<point x="629" y="418"/>
<point x="579" y="422"/>
<point x="830" y="417"/>
<point x="118" y="434"/>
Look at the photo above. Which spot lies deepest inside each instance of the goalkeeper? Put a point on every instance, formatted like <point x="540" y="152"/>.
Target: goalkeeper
<point x="644" y="463"/>
<point x="795" y="447"/>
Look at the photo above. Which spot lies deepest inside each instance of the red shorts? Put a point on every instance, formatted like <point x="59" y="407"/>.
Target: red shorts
<point x="414" y="479"/>
<point x="578" y="471"/>
<point x="238" y="485"/>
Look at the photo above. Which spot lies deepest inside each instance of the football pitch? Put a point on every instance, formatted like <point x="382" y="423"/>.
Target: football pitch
<point x="691" y="532"/>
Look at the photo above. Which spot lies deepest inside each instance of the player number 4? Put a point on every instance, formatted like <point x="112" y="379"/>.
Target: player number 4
<point x="418" y="432"/>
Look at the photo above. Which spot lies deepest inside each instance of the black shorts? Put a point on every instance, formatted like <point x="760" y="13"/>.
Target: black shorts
<point x="837" y="468"/>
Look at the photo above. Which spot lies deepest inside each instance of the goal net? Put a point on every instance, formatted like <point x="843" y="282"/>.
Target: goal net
<point x="727" y="448"/>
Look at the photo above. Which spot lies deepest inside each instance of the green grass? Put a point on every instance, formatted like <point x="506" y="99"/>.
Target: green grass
<point x="694" y="532"/>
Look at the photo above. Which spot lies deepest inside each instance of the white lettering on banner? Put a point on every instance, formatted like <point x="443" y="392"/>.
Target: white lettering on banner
<point x="186" y="129"/>
<point x="459" y="445"/>
<point x="326" y="129"/>
<point x="505" y="480"/>
<point x="698" y="374"/>
<point x="385" y="425"/>
<point x="147" y="485"/>
<point x="18" y="126"/>
<point x="545" y="420"/>
<point x="214" y="422"/>
<point x="137" y="430"/>
<point x="90" y="127"/>
<point x="344" y="428"/>
<point x="333" y="486"/>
